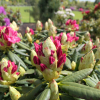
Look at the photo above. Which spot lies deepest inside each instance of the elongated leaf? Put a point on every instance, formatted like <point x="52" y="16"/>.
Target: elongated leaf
<point x="24" y="89"/>
<point x="37" y="98"/>
<point x="23" y="46"/>
<point x="24" y="43"/>
<point x="31" y="94"/>
<point x="66" y="72"/>
<point x="79" y="47"/>
<point x="77" y="76"/>
<point x="21" y="62"/>
<point x="65" y="96"/>
<point x="68" y="63"/>
<point x="90" y="82"/>
<point x="45" y="95"/>
<point x="3" y="88"/>
<point x="20" y="52"/>
<point x="1" y="95"/>
<point x="11" y="56"/>
<point x="30" y="71"/>
<point x="60" y="30"/>
<point x="27" y="61"/>
<point x="75" y="55"/>
<point x="95" y="76"/>
<point x="81" y="91"/>
<point x="81" y="32"/>
<point x="29" y="81"/>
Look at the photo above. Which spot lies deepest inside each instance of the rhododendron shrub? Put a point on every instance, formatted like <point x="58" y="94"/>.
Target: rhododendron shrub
<point x="72" y="25"/>
<point x="7" y="37"/>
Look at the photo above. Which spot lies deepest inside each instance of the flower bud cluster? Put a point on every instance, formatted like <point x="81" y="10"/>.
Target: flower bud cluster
<point x="48" y="59"/>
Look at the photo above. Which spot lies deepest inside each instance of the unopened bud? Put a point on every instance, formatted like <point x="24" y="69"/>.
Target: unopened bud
<point x="73" y="65"/>
<point x="21" y="70"/>
<point x="14" y="94"/>
<point x="29" y="38"/>
<point x="46" y="26"/>
<point x="54" y="90"/>
<point x="33" y="53"/>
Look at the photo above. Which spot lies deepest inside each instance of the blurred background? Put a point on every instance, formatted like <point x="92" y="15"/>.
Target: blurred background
<point x="32" y="10"/>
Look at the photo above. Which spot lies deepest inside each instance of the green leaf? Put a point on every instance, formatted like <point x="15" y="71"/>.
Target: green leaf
<point x="21" y="62"/>
<point x="81" y="91"/>
<point x="37" y="98"/>
<point x="1" y="95"/>
<point x="64" y="72"/>
<point x="45" y="95"/>
<point x="21" y="53"/>
<point x="90" y="81"/>
<point x="79" y="47"/>
<point x="77" y="76"/>
<point x="29" y="81"/>
<point x="68" y="63"/>
<point x="29" y="71"/>
<point x="27" y="61"/>
<point x="11" y="56"/>
<point x="24" y="89"/>
<point x="31" y="94"/>
<point x="23" y="46"/>
<point x="75" y="55"/>
<point x="81" y="32"/>
<point x="94" y="50"/>
<point x="60" y="30"/>
<point x="21" y="50"/>
<point x="65" y="96"/>
<point x="3" y="88"/>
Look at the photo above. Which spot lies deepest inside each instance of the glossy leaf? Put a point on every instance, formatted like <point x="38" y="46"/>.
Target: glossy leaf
<point x="29" y="81"/>
<point x="90" y="81"/>
<point x="21" y="62"/>
<point x="65" y="96"/>
<point x="21" y="53"/>
<point x="31" y="94"/>
<point x="27" y="61"/>
<point x="3" y="88"/>
<point x="81" y="91"/>
<point x="77" y="76"/>
<point x="24" y="89"/>
<point x="23" y="46"/>
<point x="29" y="71"/>
<point x="75" y="56"/>
<point x="11" y="56"/>
<point x="45" y="95"/>
<point x="68" y="63"/>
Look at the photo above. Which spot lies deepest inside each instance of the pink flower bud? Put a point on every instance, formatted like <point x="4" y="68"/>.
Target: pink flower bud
<point x="59" y="52"/>
<point x="8" y="72"/>
<point x="5" y="69"/>
<point x="1" y="44"/>
<point x="61" y="60"/>
<point x="57" y="43"/>
<point x="14" y="69"/>
<point x="51" y="60"/>
<point x="52" y="52"/>
<point x="43" y="67"/>
<point x="36" y="60"/>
